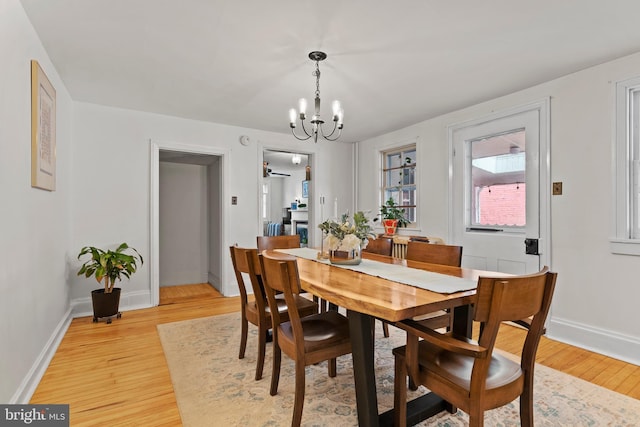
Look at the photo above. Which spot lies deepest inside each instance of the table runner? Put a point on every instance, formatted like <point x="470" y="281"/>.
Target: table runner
<point x="423" y="279"/>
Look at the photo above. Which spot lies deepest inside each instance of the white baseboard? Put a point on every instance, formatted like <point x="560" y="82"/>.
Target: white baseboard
<point x="608" y="343"/>
<point x="32" y="379"/>
<point x="81" y="307"/>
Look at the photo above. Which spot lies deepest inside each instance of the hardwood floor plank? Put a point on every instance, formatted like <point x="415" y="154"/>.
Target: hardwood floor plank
<point x="117" y="374"/>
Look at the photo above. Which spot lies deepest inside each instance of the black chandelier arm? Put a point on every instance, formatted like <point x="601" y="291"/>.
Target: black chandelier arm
<point x="335" y="126"/>
<point x="293" y="132"/>
<point x="304" y="129"/>
<point x="328" y="137"/>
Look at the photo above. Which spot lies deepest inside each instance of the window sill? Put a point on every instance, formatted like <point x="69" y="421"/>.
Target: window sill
<point x="625" y="246"/>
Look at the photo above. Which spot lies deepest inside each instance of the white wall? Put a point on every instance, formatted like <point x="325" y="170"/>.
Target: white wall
<point x="120" y="139"/>
<point x="183" y="224"/>
<point x="34" y="224"/>
<point x="595" y="303"/>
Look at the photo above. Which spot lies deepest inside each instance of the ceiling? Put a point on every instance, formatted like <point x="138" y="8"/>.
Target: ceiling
<point x="391" y="64"/>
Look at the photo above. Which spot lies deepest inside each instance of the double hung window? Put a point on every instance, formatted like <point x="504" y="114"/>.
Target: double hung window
<point x="627" y="168"/>
<point x="399" y="179"/>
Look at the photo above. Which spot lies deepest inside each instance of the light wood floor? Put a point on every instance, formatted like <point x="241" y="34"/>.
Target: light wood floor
<point x="117" y="375"/>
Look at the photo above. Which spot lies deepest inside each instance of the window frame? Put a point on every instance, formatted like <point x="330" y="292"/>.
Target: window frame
<point x="626" y="167"/>
<point x="384" y="154"/>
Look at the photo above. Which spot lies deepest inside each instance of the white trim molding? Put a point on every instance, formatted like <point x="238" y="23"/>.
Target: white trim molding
<point x="32" y="379"/>
<point x="602" y="341"/>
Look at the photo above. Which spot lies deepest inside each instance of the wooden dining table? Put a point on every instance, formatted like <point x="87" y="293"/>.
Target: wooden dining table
<point x="366" y="298"/>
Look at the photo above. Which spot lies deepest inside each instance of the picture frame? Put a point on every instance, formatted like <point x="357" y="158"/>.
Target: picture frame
<point x="43" y="130"/>
<point x="305" y="189"/>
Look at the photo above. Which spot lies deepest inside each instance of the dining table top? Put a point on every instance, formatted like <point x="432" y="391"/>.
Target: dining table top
<point x="380" y="297"/>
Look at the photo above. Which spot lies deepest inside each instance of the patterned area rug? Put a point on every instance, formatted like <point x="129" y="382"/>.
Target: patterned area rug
<point x="215" y="388"/>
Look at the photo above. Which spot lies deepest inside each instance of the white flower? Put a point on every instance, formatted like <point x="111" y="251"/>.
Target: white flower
<point x="331" y="242"/>
<point x="349" y="243"/>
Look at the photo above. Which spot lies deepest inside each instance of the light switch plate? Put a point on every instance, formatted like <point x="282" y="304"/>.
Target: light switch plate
<point x="557" y="188"/>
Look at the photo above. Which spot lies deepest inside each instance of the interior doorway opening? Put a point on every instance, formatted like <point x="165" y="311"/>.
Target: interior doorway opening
<point x="174" y="167"/>
<point x="285" y="189"/>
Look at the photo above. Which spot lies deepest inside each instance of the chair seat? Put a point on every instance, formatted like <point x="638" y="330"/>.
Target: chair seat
<point x="305" y="306"/>
<point x="320" y="330"/>
<point x="457" y="368"/>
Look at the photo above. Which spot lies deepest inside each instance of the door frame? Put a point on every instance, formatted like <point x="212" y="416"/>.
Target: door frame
<point x="154" y="208"/>
<point x="544" y="114"/>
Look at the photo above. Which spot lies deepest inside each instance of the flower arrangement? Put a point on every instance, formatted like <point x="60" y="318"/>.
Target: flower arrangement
<point x="347" y="235"/>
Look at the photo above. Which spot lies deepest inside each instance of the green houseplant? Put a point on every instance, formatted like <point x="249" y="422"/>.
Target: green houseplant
<point x="392" y="217"/>
<point x="108" y="266"/>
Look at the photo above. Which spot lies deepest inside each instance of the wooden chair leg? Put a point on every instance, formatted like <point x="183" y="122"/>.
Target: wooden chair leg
<point x="275" y="371"/>
<point x="526" y="406"/>
<point x="262" y="344"/>
<point x="400" y="393"/>
<point x="385" y="329"/>
<point x="333" y="369"/>
<point x="243" y="338"/>
<point x="298" y="402"/>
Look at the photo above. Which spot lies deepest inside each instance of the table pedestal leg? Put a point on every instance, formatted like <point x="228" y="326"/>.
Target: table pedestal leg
<point x="363" y="371"/>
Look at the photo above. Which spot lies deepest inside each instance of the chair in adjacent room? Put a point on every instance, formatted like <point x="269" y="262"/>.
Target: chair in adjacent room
<point x="382" y="246"/>
<point x="257" y="311"/>
<point x="469" y="374"/>
<point x="306" y="340"/>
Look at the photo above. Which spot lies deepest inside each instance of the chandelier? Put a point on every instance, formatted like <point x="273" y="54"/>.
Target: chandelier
<point x="316" y="121"/>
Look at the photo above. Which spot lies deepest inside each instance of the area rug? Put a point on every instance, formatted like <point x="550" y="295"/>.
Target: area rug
<point x="215" y="388"/>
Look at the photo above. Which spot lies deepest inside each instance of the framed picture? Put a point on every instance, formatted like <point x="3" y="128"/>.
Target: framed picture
<point x="305" y="189"/>
<point x="43" y="130"/>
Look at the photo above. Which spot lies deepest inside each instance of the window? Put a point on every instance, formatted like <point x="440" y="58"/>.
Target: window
<point x="627" y="168"/>
<point x="498" y="189"/>
<point x="399" y="179"/>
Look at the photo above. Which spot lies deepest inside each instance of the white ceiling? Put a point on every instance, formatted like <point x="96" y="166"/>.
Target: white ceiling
<point x="391" y="64"/>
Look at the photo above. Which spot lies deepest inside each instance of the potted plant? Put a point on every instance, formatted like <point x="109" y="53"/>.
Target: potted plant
<point x="392" y="217"/>
<point x="107" y="266"/>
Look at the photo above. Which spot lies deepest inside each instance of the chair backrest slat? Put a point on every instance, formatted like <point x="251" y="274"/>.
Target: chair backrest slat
<point x="434" y="254"/>
<point x="245" y="261"/>
<point x="380" y="245"/>
<point x="278" y="242"/>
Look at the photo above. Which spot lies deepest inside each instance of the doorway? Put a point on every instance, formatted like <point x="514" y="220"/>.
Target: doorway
<point x="186" y="181"/>
<point x="285" y="202"/>
<point x="500" y="190"/>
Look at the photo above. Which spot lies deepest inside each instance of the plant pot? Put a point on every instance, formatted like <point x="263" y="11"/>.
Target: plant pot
<point x="390" y="226"/>
<point x="105" y="305"/>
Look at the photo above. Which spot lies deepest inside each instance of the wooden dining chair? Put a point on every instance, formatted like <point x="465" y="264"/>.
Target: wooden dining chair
<point x="306" y="340"/>
<point x="468" y="374"/>
<point x="435" y="254"/>
<point x="382" y="246"/>
<point x="287" y="242"/>
<point x="257" y="311"/>
<point x="278" y="242"/>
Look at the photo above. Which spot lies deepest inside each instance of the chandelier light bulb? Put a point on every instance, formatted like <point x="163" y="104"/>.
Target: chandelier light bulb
<point x="302" y="103"/>
<point x="292" y="117"/>
<point x="335" y="106"/>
